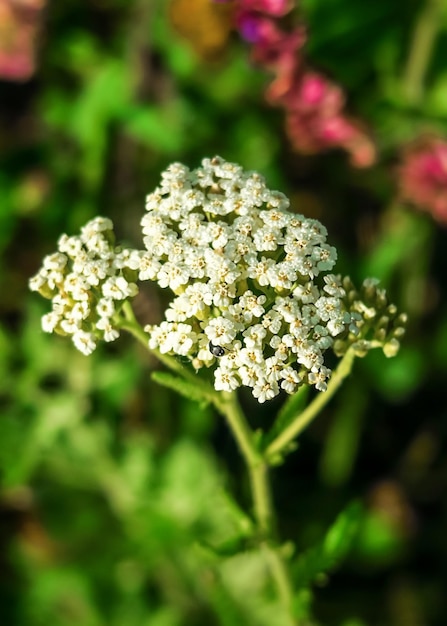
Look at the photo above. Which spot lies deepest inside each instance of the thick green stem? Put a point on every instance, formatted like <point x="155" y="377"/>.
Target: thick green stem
<point x="258" y="470"/>
<point x="421" y="49"/>
<point x="303" y="419"/>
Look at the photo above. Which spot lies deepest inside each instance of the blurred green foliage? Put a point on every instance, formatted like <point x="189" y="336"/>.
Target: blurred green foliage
<point x="114" y="505"/>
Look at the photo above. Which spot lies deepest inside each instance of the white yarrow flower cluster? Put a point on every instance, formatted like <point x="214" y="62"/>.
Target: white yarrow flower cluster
<point x="252" y="296"/>
<point x="87" y="279"/>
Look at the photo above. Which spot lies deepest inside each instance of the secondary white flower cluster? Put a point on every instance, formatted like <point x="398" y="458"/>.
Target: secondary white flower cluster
<point x="378" y="323"/>
<point x="87" y="279"/>
<point x="247" y="274"/>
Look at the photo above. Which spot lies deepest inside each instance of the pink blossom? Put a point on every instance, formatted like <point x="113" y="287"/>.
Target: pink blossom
<point x="422" y="176"/>
<point x="19" y="23"/>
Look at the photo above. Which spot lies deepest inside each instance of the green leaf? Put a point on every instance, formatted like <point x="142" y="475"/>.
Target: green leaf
<point x="160" y="128"/>
<point x="342" y="440"/>
<point x="248" y="580"/>
<point x="192" y="496"/>
<point x="407" y="237"/>
<point x="437" y="101"/>
<point x="332" y="548"/>
<point x="181" y="386"/>
<point x="55" y="588"/>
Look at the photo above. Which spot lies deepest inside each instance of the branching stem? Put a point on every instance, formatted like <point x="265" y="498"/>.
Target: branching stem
<point x="257" y="462"/>
<point x="130" y="323"/>
<point x="302" y="420"/>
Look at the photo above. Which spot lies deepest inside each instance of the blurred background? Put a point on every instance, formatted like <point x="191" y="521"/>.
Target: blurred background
<point x="111" y="487"/>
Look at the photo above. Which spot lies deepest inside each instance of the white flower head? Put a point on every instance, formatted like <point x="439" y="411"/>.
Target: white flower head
<point x="87" y="280"/>
<point x="244" y="272"/>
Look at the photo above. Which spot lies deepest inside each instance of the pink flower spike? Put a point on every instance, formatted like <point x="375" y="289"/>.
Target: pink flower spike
<point x="313" y="104"/>
<point x="422" y="176"/>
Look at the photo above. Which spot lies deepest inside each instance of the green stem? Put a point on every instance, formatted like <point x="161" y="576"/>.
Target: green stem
<point x="257" y="467"/>
<point x="313" y="409"/>
<point x="258" y="470"/>
<point x="421" y="49"/>
<point x="132" y="326"/>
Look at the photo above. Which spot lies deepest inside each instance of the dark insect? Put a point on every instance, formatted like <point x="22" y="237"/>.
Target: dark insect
<point x="216" y="351"/>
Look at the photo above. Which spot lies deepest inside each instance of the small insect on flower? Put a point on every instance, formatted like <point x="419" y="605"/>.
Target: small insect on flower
<point x="216" y="351"/>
